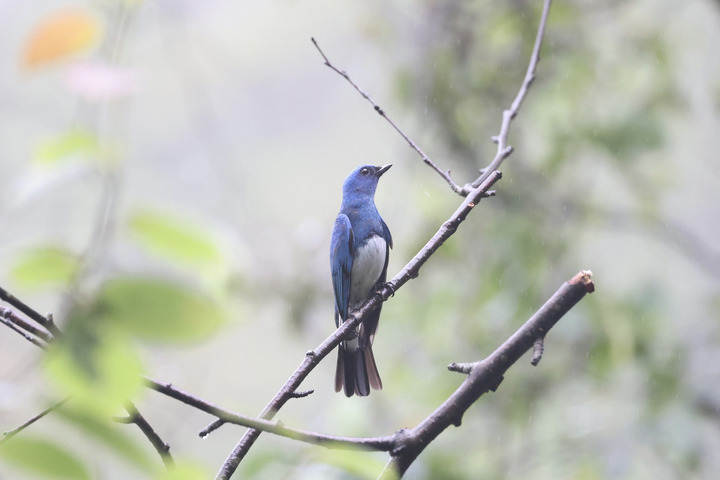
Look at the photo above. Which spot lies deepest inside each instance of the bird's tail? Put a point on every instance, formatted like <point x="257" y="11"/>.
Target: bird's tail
<point x="356" y="370"/>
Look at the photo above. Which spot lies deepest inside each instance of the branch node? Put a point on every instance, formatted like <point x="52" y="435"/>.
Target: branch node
<point x="457" y="421"/>
<point x="310" y="353"/>
<point x="465" y="368"/>
<point x="302" y="394"/>
<point x="538" y="349"/>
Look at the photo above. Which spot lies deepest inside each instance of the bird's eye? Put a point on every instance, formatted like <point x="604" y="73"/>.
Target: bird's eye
<point x="364" y="171"/>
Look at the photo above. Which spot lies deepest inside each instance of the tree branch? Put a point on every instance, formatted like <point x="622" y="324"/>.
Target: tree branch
<point x="22" y="327"/>
<point x="486" y="374"/>
<point x="162" y="448"/>
<point x="46" y="322"/>
<point x="384" y="444"/>
<point x="503" y="149"/>
<point x="445" y="175"/>
<point x="313" y="358"/>
<point x="11" y="433"/>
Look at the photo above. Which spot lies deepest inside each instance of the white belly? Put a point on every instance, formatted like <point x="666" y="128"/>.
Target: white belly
<point x="367" y="266"/>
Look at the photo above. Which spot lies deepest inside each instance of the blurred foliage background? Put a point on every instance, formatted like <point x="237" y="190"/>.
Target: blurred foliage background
<point x="171" y="171"/>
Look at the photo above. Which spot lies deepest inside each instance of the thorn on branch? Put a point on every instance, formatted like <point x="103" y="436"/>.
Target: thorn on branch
<point x="538" y="349"/>
<point x="465" y="368"/>
<point x="302" y="394"/>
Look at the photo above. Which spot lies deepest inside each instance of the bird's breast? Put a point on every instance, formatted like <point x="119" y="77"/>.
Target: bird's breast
<point x="367" y="266"/>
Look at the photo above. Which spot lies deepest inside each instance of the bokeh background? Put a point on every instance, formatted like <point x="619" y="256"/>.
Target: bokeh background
<point x="171" y="170"/>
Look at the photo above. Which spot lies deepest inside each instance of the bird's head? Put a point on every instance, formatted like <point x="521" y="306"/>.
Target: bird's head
<point x="363" y="180"/>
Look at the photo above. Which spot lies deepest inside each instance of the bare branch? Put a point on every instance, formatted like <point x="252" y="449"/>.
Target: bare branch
<point x="9" y="323"/>
<point x="503" y="149"/>
<point x="46" y="322"/>
<point x="486" y="374"/>
<point x="384" y="444"/>
<point x="160" y="446"/>
<point x="11" y="433"/>
<point x="313" y="358"/>
<point x="21" y="326"/>
<point x="445" y="175"/>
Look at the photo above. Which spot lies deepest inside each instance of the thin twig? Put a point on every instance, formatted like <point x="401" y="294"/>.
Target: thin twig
<point x="444" y="174"/>
<point x="11" y="433"/>
<point x="503" y="149"/>
<point x="46" y="322"/>
<point x="384" y="444"/>
<point x="17" y="324"/>
<point x="162" y="448"/>
<point x="20" y="325"/>
<point x="312" y="359"/>
<point x="22" y="333"/>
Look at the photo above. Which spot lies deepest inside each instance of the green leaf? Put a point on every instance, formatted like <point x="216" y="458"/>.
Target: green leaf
<point x="43" y="457"/>
<point x="43" y="267"/>
<point x="157" y="309"/>
<point x="174" y="239"/>
<point x="76" y="144"/>
<point x="356" y="463"/>
<point x="184" y="471"/>
<point x="96" y="366"/>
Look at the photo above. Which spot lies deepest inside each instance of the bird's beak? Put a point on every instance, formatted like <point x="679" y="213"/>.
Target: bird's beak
<point x="383" y="169"/>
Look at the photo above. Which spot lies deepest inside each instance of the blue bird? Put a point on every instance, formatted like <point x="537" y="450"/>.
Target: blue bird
<point x="359" y="252"/>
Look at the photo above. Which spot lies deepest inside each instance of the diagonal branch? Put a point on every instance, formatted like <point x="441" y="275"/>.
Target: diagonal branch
<point x="313" y="357"/>
<point x="11" y="433"/>
<point x="162" y="448"/>
<point x="384" y="444"/>
<point x="46" y="322"/>
<point x="24" y="328"/>
<point x="486" y="375"/>
<point x="27" y="330"/>
<point x="445" y="175"/>
<point x="503" y="149"/>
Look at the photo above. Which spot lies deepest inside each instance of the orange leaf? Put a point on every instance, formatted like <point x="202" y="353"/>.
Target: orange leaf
<point x="61" y="34"/>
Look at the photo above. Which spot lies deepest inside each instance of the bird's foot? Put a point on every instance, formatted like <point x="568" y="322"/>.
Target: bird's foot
<point x="386" y="285"/>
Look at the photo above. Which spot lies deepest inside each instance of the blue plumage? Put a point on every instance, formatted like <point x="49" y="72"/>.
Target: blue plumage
<point x="359" y="252"/>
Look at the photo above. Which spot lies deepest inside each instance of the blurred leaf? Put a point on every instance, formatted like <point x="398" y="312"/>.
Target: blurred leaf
<point x="355" y="463"/>
<point x="43" y="457"/>
<point x="173" y="238"/>
<point x="71" y="145"/>
<point x="61" y="34"/>
<point x="106" y="431"/>
<point x="45" y="266"/>
<point x="96" y="366"/>
<point x="183" y="471"/>
<point x="641" y="131"/>
<point x="156" y="309"/>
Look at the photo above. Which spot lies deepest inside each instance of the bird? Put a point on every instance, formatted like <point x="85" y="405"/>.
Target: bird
<point x="359" y="252"/>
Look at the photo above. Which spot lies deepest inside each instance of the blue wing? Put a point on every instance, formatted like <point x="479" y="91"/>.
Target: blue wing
<point x="341" y="261"/>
